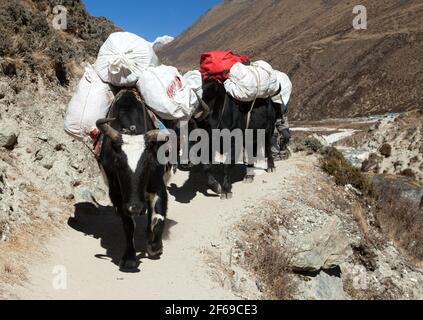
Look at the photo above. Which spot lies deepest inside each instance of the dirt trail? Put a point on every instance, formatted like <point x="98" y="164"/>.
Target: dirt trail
<point x="90" y="246"/>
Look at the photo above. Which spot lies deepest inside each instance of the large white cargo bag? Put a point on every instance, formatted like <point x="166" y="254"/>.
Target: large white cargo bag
<point x="246" y="83"/>
<point x="194" y="81"/>
<point x="286" y="88"/>
<point x="166" y="92"/>
<point x="123" y="57"/>
<point x="91" y="101"/>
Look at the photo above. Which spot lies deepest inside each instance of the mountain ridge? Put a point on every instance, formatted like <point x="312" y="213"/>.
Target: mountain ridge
<point x="337" y="71"/>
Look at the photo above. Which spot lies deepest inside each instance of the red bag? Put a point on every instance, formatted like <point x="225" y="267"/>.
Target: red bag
<point x="216" y="65"/>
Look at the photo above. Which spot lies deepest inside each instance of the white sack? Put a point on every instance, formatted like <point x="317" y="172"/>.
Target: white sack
<point x="91" y="101"/>
<point x="194" y="81"/>
<point x="123" y="57"/>
<point x="286" y="88"/>
<point x="245" y="83"/>
<point x="166" y="92"/>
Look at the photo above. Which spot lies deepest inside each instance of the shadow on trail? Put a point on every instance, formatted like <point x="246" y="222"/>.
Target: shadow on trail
<point x="104" y="224"/>
<point x="197" y="184"/>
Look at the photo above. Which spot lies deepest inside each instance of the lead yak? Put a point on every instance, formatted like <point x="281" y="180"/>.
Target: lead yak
<point x="137" y="182"/>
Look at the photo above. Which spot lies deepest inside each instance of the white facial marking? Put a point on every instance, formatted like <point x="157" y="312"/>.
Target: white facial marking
<point x="155" y="218"/>
<point x="133" y="147"/>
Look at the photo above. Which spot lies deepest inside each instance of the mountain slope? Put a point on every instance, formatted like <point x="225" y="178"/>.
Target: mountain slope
<point x="31" y="47"/>
<point x="42" y="170"/>
<point x="337" y="71"/>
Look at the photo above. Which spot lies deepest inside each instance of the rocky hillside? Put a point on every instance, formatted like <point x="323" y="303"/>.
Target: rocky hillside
<point x="392" y="146"/>
<point x="337" y="71"/>
<point x="41" y="168"/>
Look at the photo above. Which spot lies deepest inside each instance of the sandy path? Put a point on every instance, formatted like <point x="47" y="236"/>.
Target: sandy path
<point x="91" y="245"/>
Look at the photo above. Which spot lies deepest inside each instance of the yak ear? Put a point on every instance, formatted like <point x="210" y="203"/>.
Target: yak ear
<point x="105" y="128"/>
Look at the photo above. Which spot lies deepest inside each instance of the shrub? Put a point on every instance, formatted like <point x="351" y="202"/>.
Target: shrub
<point x="335" y="164"/>
<point x="265" y="255"/>
<point x="402" y="221"/>
<point x="272" y="265"/>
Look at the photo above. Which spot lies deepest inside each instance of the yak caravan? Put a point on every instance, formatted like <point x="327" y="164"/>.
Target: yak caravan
<point x="130" y="128"/>
<point x="225" y="150"/>
<point x="128" y="61"/>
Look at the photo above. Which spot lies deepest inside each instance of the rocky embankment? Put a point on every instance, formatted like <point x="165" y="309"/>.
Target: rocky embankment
<point x="42" y="170"/>
<point x="394" y="146"/>
<point x="391" y="151"/>
<point x="315" y="240"/>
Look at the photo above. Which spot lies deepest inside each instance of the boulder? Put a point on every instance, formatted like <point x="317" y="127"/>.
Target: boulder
<point x="386" y="150"/>
<point x="408" y="173"/>
<point x="4" y="89"/>
<point x="8" y="133"/>
<point x="323" y="249"/>
<point x="322" y="287"/>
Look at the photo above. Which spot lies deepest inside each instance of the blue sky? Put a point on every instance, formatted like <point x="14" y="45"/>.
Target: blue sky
<point x="151" y="18"/>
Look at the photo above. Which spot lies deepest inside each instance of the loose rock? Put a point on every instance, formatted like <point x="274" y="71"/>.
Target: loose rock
<point x="322" y="249"/>
<point x="386" y="150"/>
<point x="322" y="287"/>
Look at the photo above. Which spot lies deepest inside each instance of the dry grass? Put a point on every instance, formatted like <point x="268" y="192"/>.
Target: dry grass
<point x="27" y="241"/>
<point x="370" y="294"/>
<point x="360" y="217"/>
<point x="402" y="221"/>
<point x="265" y="255"/>
<point x="18" y="253"/>
<point x="271" y="263"/>
<point x="335" y="164"/>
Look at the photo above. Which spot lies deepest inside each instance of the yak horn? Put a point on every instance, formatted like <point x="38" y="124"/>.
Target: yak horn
<point x="157" y="136"/>
<point x="104" y="126"/>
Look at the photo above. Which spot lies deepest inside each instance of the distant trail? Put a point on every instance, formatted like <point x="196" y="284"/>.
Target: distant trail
<point x="196" y="223"/>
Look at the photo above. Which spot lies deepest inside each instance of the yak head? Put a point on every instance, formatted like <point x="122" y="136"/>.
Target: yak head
<point x="129" y="152"/>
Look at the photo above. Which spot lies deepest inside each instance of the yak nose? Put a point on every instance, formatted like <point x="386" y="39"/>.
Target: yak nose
<point x="135" y="210"/>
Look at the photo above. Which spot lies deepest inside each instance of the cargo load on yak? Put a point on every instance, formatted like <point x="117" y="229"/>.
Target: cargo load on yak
<point x="249" y="82"/>
<point x="170" y="95"/>
<point x="123" y="57"/>
<point x="216" y="65"/>
<point x="194" y="81"/>
<point x="126" y="60"/>
<point x="91" y="101"/>
<point x="286" y="88"/>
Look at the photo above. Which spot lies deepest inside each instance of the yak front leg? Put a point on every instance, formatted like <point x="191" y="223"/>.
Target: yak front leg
<point x="156" y="225"/>
<point x="129" y="260"/>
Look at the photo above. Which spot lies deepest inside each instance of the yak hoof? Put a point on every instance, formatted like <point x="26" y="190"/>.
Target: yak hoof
<point x="249" y="179"/>
<point x="226" y="196"/>
<point x="128" y="265"/>
<point x="216" y="188"/>
<point x="154" y="251"/>
<point x="271" y="170"/>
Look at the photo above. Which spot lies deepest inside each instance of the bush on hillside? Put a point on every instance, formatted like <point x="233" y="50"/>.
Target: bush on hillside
<point x="334" y="163"/>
